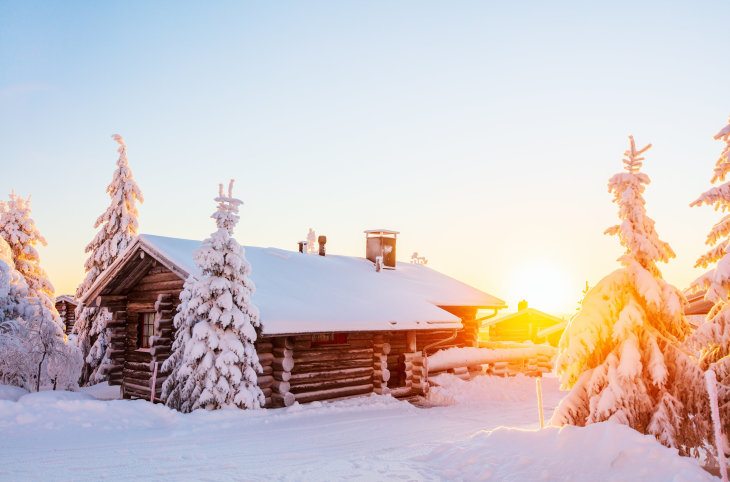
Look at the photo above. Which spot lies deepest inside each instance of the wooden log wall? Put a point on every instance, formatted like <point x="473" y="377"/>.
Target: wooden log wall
<point x="67" y="312"/>
<point x="159" y="292"/>
<point x="507" y="331"/>
<point x="117" y="328"/>
<point x="381" y="374"/>
<point x="416" y="378"/>
<point x="164" y="333"/>
<point x="331" y="371"/>
<point x="143" y="295"/>
<point x="282" y="362"/>
<point x="265" y="351"/>
<point x="403" y="344"/>
<point x="396" y="366"/>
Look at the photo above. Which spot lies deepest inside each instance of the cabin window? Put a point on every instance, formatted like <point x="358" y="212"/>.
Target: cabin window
<point x="146" y="329"/>
<point x="324" y="339"/>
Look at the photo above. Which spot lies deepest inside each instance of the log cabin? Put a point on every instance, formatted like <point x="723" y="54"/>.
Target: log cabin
<point x="66" y="307"/>
<point x="526" y="324"/>
<point x="332" y="326"/>
<point x="697" y="308"/>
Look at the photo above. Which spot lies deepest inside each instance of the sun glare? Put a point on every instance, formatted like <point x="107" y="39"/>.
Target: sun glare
<point x="544" y="285"/>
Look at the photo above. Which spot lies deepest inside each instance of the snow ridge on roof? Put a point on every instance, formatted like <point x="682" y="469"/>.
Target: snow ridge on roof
<point x="66" y="298"/>
<point x="299" y="293"/>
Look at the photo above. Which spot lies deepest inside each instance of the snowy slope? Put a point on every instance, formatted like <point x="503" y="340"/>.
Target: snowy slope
<point x="366" y="438"/>
<point x="305" y="293"/>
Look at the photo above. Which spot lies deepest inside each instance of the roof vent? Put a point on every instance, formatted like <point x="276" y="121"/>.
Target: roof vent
<point x="380" y="243"/>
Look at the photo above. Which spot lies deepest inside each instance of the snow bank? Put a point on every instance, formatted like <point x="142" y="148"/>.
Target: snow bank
<point x="11" y="393"/>
<point x="50" y="435"/>
<point x="604" y="451"/>
<point x="103" y="391"/>
<point x="52" y="396"/>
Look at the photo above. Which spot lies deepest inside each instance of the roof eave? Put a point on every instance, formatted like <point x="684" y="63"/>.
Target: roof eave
<point x="139" y="244"/>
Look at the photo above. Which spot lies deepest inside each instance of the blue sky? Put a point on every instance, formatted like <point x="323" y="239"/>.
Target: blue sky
<point x="484" y="131"/>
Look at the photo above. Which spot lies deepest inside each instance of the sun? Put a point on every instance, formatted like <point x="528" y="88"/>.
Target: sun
<point x="544" y="285"/>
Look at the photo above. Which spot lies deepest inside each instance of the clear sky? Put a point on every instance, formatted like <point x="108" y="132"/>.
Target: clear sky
<point x="484" y="131"/>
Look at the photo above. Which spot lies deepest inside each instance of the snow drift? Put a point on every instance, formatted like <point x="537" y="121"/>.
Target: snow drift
<point x="599" y="452"/>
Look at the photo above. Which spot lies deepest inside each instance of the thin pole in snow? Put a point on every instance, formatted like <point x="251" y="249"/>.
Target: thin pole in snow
<point x="538" y="386"/>
<point x="711" y="385"/>
<point x="153" y="383"/>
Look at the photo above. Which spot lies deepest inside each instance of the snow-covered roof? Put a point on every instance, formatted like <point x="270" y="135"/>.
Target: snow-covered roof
<point x="299" y="293"/>
<point x="526" y="313"/>
<point x="380" y="231"/>
<point x="66" y="298"/>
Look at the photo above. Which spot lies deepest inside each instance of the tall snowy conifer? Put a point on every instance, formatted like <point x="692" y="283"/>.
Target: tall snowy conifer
<point x="18" y="229"/>
<point x="712" y="338"/>
<point x="117" y="228"/>
<point x="214" y="362"/>
<point x="619" y="356"/>
<point x="34" y="352"/>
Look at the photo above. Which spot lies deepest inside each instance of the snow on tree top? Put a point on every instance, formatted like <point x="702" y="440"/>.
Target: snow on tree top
<point x="303" y="294"/>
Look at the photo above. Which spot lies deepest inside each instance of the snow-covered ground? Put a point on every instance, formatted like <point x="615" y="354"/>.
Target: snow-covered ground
<point x="73" y="436"/>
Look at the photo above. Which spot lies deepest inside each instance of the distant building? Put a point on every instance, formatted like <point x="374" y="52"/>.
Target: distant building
<point x="66" y="307"/>
<point x="697" y="308"/>
<point x="527" y="324"/>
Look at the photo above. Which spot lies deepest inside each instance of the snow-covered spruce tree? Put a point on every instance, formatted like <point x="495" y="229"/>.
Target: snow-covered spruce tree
<point x="18" y="229"/>
<point x="13" y="291"/>
<point x="712" y="338"/>
<point x="34" y="351"/>
<point x="311" y="242"/>
<point x="117" y="228"/>
<point x="213" y="363"/>
<point x="620" y="355"/>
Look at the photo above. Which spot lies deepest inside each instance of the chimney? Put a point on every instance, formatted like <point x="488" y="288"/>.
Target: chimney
<point x="322" y="240"/>
<point x="381" y="243"/>
<point x="522" y="305"/>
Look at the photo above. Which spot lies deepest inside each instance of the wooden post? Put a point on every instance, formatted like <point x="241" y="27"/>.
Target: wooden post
<point x="711" y="385"/>
<point x="153" y="383"/>
<point x="541" y="415"/>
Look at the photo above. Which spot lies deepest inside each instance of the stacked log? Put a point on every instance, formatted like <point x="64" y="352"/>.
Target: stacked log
<point x="67" y="315"/>
<point x="134" y="363"/>
<point x="416" y="378"/>
<point x="381" y="374"/>
<point x="164" y="334"/>
<point x="138" y="369"/>
<point x="500" y="369"/>
<point x="462" y="372"/>
<point x="282" y="362"/>
<point x="264" y="349"/>
<point x="534" y="366"/>
<point x="398" y="346"/>
<point x="117" y="326"/>
<point x="332" y="371"/>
